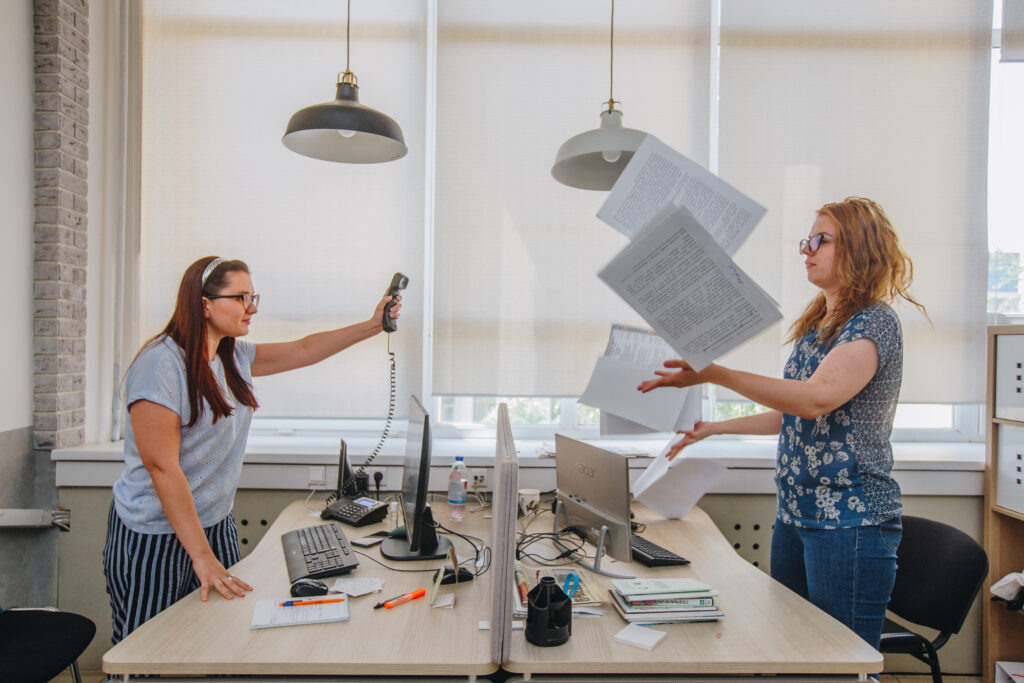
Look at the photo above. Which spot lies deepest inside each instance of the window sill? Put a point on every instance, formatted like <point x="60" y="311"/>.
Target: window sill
<point x="289" y="462"/>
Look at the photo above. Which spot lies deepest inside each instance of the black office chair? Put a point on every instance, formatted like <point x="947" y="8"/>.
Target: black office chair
<point x="940" y="572"/>
<point x="37" y="644"/>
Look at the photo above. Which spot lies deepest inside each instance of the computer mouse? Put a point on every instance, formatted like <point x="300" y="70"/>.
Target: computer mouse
<point x="303" y="588"/>
<point x="449" y="576"/>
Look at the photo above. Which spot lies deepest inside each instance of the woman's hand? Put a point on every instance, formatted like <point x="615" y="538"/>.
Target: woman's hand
<point x="212" y="573"/>
<point x="685" y="377"/>
<point x="701" y="430"/>
<point x="378" y="313"/>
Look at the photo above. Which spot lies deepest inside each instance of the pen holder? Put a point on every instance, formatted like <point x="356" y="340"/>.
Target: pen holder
<point x="548" y="615"/>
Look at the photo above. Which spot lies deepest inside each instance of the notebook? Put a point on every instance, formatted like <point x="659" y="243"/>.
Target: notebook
<point x="639" y="636"/>
<point x="269" y="613"/>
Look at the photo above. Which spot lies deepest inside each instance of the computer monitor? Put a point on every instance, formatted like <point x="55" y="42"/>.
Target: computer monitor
<point x="421" y="541"/>
<point x="593" y="497"/>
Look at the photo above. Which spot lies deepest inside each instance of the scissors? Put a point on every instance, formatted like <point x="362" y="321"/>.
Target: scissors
<point x="572" y="582"/>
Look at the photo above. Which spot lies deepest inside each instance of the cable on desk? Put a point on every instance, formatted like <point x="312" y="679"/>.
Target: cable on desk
<point x="574" y="547"/>
<point x="479" y="550"/>
<point x="387" y="566"/>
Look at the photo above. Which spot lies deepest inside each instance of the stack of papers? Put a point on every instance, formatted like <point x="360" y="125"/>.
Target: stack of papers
<point x="526" y="578"/>
<point x="664" y="601"/>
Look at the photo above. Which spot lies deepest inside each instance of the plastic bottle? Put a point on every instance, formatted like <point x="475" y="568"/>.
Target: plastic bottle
<point x="392" y="515"/>
<point x="457" y="490"/>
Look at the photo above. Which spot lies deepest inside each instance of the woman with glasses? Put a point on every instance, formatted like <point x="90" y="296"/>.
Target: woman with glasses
<point x="190" y="401"/>
<point x="839" y="509"/>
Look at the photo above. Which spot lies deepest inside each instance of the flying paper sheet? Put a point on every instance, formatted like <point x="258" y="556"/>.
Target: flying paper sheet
<point x="672" y="487"/>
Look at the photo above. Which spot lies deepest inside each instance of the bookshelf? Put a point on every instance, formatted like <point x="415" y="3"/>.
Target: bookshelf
<point x="1003" y="634"/>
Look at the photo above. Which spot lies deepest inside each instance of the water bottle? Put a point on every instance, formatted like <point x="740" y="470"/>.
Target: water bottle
<point x="457" y="490"/>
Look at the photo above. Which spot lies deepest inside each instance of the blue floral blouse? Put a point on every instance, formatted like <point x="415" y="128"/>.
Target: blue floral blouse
<point x="835" y="471"/>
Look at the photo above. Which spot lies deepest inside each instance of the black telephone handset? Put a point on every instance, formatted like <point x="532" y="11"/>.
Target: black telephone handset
<point x="398" y="283"/>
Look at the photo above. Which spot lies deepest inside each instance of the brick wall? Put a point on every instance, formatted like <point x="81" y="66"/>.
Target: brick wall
<point x="61" y="32"/>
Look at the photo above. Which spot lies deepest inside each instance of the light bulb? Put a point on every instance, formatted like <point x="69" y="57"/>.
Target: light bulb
<point x="611" y="156"/>
<point x="346" y="133"/>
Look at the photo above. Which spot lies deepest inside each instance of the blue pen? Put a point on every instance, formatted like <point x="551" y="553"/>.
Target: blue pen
<point x="572" y="583"/>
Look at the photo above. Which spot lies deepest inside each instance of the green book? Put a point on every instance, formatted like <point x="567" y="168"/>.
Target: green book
<point x="648" y="586"/>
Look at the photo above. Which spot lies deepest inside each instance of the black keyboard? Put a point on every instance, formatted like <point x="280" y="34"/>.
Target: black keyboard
<point x="652" y="554"/>
<point x="317" y="551"/>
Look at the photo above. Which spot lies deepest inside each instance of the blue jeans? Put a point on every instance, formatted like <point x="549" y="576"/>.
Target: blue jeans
<point x="848" y="573"/>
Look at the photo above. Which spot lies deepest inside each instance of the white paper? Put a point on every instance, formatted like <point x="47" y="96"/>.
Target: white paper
<point x="672" y="487"/>
<point x="638" y="346"/>
<point x="356" y="586"/>
<point x="1009" y="672"/>
<point x="640" y="636"/>
<point x="269" y="613"/>
<point x="687" y="288"/>
<point x="658" y="176"/>
<point x="612" y="388"/>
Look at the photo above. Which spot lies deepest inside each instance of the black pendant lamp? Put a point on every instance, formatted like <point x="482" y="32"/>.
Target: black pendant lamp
<point x="345" y="130"/>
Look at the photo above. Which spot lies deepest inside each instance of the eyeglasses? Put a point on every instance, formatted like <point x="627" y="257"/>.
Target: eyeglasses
<point x="248" y="300"/>
<point x="812" y="243"/>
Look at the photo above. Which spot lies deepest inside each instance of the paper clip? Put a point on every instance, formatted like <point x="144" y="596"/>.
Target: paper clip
<point x="572" y="582"/>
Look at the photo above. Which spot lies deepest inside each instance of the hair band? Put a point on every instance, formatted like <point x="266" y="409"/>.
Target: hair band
<point x="208" y="271"/>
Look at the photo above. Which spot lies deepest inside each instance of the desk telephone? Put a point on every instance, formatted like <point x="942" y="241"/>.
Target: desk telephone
<point x="348" y="504"/>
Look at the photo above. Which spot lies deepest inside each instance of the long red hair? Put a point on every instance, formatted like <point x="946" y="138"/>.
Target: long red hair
<point x="187" y="328"/>
<point x="869" y="263"/>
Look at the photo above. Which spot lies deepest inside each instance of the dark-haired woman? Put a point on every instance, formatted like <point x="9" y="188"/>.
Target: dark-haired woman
<point x="189" y="395"/>
<point x="838" y="523"/>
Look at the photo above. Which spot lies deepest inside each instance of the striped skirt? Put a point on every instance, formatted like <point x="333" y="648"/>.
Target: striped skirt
<point x="147" y="573"/>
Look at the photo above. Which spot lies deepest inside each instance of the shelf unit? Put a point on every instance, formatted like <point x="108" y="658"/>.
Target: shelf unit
<point x="1003" y="635"/>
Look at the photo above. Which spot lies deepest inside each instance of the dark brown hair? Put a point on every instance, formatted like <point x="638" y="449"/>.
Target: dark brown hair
<point x="869" y="263"/>
<point x="187" y="328"/>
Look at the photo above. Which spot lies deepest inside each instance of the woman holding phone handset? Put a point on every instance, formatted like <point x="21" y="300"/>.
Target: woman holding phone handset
<point x="189" y="395"/>
<point x="838" y="523"/>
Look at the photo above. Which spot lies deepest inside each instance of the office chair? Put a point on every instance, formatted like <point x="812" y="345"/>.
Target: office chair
<point x="37" y="644"/>
<point x="940" y="572"/>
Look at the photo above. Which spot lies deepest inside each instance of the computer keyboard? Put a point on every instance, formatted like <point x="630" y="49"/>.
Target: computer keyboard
<point x="652" y="554"/>
<point x="317" y="551"/>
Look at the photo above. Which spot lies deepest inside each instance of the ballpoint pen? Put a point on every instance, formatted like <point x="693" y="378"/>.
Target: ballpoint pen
<point x="418" y="593"/>
<point x="299" y="603"/>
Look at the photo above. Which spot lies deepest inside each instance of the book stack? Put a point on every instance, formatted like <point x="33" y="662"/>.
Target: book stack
<point x="664" y="601"/>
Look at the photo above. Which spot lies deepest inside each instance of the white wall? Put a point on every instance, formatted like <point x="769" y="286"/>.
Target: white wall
<point x="16" y="214"/>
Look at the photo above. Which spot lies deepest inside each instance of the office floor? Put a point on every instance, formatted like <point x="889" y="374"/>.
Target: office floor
<point x="99" y="677"/>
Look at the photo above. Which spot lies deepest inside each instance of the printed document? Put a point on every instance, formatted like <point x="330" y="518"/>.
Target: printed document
<point x="631" y="357"/>
<point x="672" y="487"/>
<point x="658" y="176"/>
<point x="687" y="288"/>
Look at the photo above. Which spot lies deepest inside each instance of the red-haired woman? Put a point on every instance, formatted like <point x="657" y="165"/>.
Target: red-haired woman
<point x="189" y="395"/>
<point x="838" y="523"/>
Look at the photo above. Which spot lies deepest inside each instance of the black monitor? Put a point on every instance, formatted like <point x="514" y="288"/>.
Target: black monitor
<point x="421" y="541"/>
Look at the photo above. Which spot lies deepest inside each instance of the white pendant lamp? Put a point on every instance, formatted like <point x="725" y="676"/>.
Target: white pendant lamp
<point x="345" y="130"/>
<point x="593" y="160"/>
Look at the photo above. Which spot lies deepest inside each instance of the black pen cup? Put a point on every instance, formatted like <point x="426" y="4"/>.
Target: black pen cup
<point x="548" y="615"/>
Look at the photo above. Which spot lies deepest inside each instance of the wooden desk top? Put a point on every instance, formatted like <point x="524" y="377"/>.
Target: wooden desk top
<point x="766" y="629"/>
<point x="192" y="637"/>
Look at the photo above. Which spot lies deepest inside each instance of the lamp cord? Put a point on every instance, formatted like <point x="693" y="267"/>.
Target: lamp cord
<point x="611" y="61"/>
<point x="348" y="38"/>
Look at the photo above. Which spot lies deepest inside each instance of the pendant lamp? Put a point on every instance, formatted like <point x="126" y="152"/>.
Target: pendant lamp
<point x="593" y="160"/>
<point x="345" y="130"/>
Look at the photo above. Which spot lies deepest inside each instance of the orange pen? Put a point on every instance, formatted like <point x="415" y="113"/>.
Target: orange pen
<point x="418" y="593"/>
<point x="297" y="603"/>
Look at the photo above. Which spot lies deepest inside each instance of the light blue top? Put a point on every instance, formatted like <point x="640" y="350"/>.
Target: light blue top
<point x="836" y="471"/>
<point x="210" y="454"/>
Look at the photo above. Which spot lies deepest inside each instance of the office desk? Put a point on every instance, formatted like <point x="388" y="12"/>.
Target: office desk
<point x="192" y="637"/>
<point x="766" y="628"/>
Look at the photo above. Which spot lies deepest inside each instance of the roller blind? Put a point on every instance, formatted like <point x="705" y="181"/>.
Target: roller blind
<point x="518" y="306"/>
<point x="220" y="81"/>
<point x="821" y="100"/>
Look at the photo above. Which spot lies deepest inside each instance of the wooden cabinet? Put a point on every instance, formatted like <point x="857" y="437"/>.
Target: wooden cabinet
<point x="1004" y="490"/>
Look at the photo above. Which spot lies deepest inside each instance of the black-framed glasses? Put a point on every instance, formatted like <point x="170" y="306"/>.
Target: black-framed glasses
<point x="812" y="243"/>
<point x="248" y="300"/>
